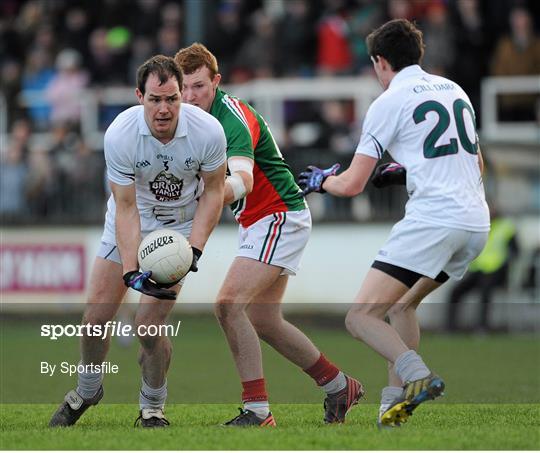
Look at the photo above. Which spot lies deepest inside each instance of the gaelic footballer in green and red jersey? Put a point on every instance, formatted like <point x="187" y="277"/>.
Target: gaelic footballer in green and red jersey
<point x="248" y="135"/>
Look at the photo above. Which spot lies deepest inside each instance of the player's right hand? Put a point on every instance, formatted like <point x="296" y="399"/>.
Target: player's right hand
<point x="140" y="281"/>
<point x="391" y="174"/>
<point x="312" y="178"/>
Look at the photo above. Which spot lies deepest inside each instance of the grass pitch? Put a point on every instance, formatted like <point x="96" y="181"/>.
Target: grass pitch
<point x="492" y="399"/>
<point x="300" y="427"/>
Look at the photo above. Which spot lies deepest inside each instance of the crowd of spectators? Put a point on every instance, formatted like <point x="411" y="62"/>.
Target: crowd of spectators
<point x="52" y="50"/>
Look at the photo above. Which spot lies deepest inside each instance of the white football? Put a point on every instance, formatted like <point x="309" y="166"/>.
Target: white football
<point x="167" y="254"/>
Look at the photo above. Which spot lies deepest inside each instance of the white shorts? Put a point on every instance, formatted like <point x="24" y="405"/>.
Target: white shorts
<point x="429" y="249"/>
<point x="278" y="239"/>
<point x="109" y="252"/>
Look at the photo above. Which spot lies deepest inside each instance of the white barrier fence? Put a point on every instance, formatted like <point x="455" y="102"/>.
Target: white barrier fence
<point x="494" y="130"/>
<point x="47" y="264"/>
<point x="269" y="97"/>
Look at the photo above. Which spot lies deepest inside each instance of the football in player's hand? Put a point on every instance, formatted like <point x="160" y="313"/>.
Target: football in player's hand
<point x="167" y="254"/>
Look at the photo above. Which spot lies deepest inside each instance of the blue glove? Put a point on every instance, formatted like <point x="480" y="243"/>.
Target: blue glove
<point x="390" y="174"/>
<point x="312" y="178"/>
<point x="140" y="281"/>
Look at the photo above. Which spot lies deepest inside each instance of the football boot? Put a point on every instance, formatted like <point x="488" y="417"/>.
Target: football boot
<point x="150" y="417"/>
<point x="414" y="393"/>
<point x="336" y="405"/>
<point x="250" y="418"/>
<point x="73" y="406"/>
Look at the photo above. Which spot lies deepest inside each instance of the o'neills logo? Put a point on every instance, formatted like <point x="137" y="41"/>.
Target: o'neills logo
<point x="155" y="244"/>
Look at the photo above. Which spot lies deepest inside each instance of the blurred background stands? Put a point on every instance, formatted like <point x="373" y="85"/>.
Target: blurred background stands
<point x="67" y="69"/>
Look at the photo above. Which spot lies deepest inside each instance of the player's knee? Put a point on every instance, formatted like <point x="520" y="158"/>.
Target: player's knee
<point x="225" y="299"/>
<point x="362" y="309"/>
<point x="355" y="316"/>
<point x="146" y="338"/>
<point x="96" y="318"/>
<point x="150" y="331"/>
<point x="351" y="320"/>
<point x="152" y="343"/>
<point x="225" y="310"/>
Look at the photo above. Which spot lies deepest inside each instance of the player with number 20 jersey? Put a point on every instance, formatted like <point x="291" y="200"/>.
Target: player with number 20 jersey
<point x="427" y="124"/>
<point x="434" y="138"/>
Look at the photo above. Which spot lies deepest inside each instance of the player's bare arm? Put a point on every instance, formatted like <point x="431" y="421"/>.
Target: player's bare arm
<point x="347" y="184"/>
<point x="480" y="161"/>
<point x="209" y="207"/>
<point x="240" y="182"/>
<point x="127" y="225"/>
<point x="353" y="180"/>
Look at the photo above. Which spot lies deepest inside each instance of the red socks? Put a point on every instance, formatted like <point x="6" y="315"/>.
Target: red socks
<point x="322" y="371"/>
<point x="254" y="391"/>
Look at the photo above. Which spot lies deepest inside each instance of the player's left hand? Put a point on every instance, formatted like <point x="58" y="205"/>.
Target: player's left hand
<point x="312" y="178"/>
<point x="391" y="174"/>
<point x="196" y="255"/>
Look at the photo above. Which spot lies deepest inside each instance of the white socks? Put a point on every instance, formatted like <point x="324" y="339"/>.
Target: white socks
<point x="261" y="408"/>
<point x="152" y="398"/>
<point x="390" y="394"/>
<point x="336" y="384"/>
<point x="88" y="384"/>
<point x="409" y="366"/>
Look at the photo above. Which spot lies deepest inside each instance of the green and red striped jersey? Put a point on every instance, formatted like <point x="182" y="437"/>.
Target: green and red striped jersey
<point x="248" y="135"/>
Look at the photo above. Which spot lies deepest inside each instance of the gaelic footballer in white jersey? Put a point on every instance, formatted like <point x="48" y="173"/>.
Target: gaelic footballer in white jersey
<point x="427" y="125"/>
<point x="166" y="176"/>
<point x="421" y="133"/>
<point x="156" y="153"/>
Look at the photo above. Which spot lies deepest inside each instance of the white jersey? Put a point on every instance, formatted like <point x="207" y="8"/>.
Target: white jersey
<point x="427" y="124"/>
<point x="166" y="176"/>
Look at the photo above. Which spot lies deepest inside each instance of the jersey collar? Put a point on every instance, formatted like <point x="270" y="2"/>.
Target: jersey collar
<point x="181" y="127"/>
<point x="407" y="72"/>
<point x="217" y="97"/>
<point x="143" y="127"/>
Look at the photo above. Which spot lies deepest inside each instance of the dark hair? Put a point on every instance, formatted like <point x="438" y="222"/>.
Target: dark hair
<point x="398" y="41"/>
<point x="163" y="67"/>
